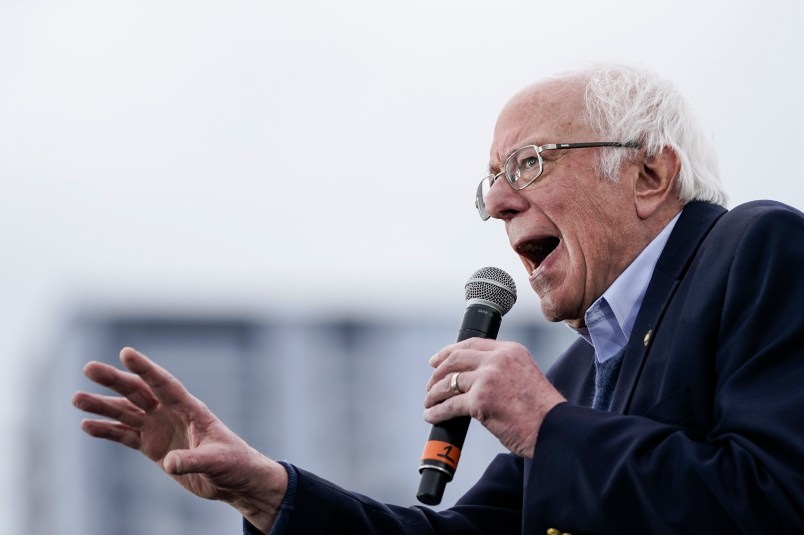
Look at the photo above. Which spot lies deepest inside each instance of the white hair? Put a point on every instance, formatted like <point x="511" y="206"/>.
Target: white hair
<point x="634" y="104"/>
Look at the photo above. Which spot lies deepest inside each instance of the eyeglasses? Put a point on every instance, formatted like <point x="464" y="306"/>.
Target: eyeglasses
<point x="525" y="165"/>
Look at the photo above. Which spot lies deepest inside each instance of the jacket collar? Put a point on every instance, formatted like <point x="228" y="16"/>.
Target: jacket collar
<point x="695" y="222"/>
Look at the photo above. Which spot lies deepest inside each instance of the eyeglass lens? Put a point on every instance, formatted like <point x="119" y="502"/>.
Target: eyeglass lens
<point x="523" y="167"/>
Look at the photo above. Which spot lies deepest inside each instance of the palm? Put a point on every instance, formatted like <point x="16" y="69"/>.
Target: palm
<point x="164" y="431"/>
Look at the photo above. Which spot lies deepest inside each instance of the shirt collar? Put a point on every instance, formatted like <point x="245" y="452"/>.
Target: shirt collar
<point x="610" y="319"/>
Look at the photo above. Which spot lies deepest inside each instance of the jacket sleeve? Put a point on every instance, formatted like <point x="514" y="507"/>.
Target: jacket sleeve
<point x="492" y="506"/>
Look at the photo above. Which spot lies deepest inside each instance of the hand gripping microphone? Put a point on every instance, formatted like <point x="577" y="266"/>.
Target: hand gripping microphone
<point x="490" y="294"/>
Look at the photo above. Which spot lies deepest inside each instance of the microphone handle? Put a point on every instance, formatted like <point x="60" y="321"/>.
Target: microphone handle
<point x="443" y="448"/>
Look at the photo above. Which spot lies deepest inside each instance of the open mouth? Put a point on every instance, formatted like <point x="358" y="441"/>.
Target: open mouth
<point x="535" y="251"/>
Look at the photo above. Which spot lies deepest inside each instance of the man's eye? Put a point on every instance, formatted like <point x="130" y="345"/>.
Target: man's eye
<point x="529" y="163"/>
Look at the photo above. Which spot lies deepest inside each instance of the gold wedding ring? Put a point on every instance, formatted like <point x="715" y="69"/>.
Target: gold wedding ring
<point x="453" y="384"/>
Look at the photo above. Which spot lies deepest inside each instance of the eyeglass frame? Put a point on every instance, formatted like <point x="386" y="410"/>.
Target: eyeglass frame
<point x="481" y="205"/>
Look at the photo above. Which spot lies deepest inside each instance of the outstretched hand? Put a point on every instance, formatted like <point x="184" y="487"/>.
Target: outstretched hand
<point x="157" y="416"/>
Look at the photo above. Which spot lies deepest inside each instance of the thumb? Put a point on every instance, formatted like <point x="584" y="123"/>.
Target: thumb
<point x="181" y="462"/>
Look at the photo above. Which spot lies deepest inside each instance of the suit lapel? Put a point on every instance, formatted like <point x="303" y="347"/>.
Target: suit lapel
<point x="690" y="230"/>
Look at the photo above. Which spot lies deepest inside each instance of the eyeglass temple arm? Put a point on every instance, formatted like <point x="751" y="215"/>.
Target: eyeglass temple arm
<point x="630" y="144"/>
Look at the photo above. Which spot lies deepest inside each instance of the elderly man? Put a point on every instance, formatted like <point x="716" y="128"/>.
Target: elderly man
<point x="678" y="409"/>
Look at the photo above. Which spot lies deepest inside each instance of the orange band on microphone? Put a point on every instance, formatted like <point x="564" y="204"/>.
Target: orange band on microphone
<point x="444" y="452"/>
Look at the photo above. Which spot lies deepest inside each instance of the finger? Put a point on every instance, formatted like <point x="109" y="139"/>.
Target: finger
<point x="114" y="431"/>
<point x="124" y="383"/>
<point x="449" y="409"/>
<point x="483" y="344"/>
<point x="442" y="390"/>
<point x="166" y="387"/>
<point x="438" y="359"/>
<point x="459" y="358"/>
<point x="444" y="372"/>
<point x="120" y="409"/>
<point x="444" y="362"/>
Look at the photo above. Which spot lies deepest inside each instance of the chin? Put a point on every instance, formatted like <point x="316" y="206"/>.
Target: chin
<point x="554" y="311"/>
<point x="550" y="313"/>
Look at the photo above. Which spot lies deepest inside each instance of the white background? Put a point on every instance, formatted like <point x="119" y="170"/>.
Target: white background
<point x="315" y="154"/>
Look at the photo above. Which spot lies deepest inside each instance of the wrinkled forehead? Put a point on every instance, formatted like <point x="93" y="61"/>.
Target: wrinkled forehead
<point x="552" y="111"/>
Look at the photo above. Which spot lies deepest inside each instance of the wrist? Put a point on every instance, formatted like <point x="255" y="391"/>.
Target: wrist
<point x="260" y="503"/>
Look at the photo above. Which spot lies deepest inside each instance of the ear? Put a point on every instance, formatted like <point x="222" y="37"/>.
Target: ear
<point x="655" y="184"/>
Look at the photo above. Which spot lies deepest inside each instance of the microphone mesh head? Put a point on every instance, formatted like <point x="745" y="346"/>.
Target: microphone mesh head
<point x="493" y="285"/>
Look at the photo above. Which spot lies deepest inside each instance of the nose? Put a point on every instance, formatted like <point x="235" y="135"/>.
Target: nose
<point x="503" y="201"/>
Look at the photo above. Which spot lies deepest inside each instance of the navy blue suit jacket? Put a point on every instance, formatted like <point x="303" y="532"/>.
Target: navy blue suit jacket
<point x="705" y="433"/>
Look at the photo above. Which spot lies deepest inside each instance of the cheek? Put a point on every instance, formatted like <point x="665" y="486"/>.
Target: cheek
<point x="585" y="226"/>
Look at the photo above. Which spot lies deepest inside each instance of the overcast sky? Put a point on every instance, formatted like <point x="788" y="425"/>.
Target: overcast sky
<point x="317" y="153"/>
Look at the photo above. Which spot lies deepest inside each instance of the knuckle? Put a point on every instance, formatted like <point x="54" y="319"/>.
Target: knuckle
<point x="484" y="397"/>
<point x="493" y="376"/>
<point x="473" y="342"/>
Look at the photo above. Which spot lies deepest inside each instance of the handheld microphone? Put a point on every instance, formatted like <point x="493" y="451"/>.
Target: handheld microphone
<point x="490" y="294"/>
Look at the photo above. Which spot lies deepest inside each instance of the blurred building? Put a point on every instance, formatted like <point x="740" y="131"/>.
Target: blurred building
<point x="340" y="397"/>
